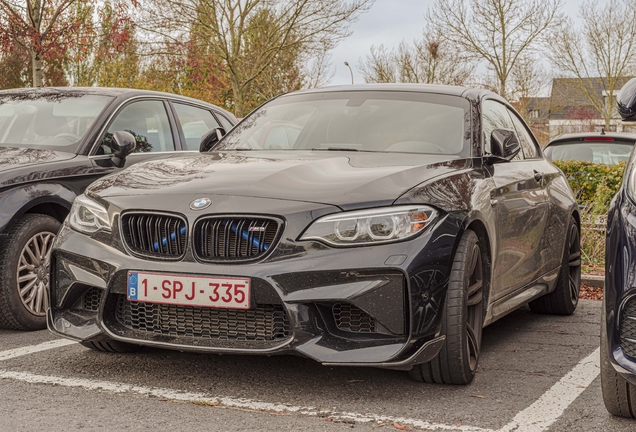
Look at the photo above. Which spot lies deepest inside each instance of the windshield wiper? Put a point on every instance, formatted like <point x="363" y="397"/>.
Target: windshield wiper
<point x="237" y="149"/>
<point x="335" y="149"/>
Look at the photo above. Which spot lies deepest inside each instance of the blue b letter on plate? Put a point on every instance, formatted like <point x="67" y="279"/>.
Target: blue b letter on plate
<point x="133" y="292"/>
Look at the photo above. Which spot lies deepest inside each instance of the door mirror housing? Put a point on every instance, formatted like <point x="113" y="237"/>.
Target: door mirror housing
<point x="210" y="139"/>
<point x="124" y="143"/>
<point x="504" y="145"/>
<point x="626" y="101"/>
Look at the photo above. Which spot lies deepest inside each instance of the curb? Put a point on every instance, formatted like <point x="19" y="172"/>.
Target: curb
<point x="593" y="281"/>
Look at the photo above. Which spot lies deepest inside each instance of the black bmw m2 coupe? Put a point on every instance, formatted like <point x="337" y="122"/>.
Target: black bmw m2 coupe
<point x="380" y="225"/>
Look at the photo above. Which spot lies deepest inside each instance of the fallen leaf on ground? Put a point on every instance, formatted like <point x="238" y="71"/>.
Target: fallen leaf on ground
<point x="400" y="427"/>
<point x="478" y="396"/>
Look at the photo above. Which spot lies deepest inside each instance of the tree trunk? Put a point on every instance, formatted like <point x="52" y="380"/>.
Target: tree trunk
<point x="36" y="64"/>
<point x="239" y="100"/>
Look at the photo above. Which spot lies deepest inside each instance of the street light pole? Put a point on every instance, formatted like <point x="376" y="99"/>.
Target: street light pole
<point x="350" y="70"/>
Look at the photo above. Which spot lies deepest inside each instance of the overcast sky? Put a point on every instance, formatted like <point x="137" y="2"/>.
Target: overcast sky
<point x="389" y="22"/>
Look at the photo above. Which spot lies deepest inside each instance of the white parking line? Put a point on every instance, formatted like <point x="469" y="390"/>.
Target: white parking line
<point x="228" y="402"/>
<point x="537" y="417"/>
<point x="18" y="352"/>
<point x="549" y="407"/>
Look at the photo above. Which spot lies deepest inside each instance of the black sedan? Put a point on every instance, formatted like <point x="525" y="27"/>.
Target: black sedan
<point x="375" y="226"/>
<point x="56" y="141"/>
<point x="618" y="323"/>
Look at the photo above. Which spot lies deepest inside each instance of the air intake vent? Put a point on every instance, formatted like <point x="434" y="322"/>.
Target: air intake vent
<point x="265" y="323"/>
<point x="155" y="235"/>
<point x="92" y="299"/>
<point x="222" y="239"/>
<point x="350" y="318"/>
<point x="628" y="328"/>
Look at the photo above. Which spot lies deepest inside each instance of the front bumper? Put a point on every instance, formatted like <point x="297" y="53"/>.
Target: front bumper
<point x="393" y="295"/>
<point x="620" y="286"/>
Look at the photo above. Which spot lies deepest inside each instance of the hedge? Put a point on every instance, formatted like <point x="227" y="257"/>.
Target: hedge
<point x="594" y="184"/>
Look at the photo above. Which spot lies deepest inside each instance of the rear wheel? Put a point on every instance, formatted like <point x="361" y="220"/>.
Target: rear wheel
<point x="565" y="297"/>
<point x="619" y="396"/>
<point x="24" y="272"/>
<point x="462" y="320"/>
<point x="112" y="346"/>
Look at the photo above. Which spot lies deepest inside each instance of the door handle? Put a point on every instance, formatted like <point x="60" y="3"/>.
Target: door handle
<point x="538" y="176"/>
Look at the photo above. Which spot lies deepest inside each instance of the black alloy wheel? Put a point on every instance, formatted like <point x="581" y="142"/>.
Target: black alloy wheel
<point x="619" y="396"/>
<point x="24" y="272"/>
<point x="462" y="319"/>
<point x="565" y="297"/>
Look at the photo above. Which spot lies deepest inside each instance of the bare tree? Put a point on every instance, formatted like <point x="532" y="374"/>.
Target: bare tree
<point x="603" y="51"/>
<point x="430" y="60"/>
<point x="295" y="25"/>
<point x="498" y="32"/>
<point x="41" y="27"/>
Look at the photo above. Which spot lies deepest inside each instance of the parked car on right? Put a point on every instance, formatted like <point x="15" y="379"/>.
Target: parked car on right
<point x="618" y="322"/>
<point x="597" y="147"/>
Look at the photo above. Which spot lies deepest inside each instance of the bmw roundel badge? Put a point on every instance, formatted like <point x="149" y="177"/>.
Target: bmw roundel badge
<point x="200" y="204"/>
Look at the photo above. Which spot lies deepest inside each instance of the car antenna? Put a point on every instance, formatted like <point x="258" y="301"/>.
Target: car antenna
<point x="603" y="130"/>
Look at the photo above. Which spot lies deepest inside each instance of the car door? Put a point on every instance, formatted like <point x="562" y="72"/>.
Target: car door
<point x="151" y="123"/>
<point x="519" y="204"/>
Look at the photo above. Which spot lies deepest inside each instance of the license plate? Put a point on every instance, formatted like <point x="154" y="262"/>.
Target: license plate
<point x="205" y="291"/>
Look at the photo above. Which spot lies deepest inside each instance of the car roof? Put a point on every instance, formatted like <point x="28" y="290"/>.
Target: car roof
<point x="104" y="91"/>
<point x="403" y="87"/>
<point x="619" y="136"/>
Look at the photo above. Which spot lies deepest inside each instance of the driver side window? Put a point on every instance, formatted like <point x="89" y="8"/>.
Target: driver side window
<point x="495" y="116"/>
<point x="149" y="124"/>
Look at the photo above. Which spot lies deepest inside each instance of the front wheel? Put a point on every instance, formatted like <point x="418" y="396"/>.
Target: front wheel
<point x="619" y="396"/>
<point x="462" y="319"/>
<point x="24" y="272"/>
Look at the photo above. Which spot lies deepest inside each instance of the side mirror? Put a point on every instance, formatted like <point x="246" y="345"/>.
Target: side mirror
<point x="626" y="101"/>
<point x="504" y="144"/>
<point x="123" y="144"/>
<point x="210" y="139"/>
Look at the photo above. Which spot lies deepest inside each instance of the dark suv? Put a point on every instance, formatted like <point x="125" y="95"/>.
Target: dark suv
<point x="56" y="141"/>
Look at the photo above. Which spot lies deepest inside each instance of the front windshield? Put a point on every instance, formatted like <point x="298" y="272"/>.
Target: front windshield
<point x="377" y="121"/>
<point x="599" y="152"/>
<point x="57" y="121"/>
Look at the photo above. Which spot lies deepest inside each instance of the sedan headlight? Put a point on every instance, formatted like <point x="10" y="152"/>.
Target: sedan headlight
<point x="367" y="227"/>
<point x="88" y="216"/>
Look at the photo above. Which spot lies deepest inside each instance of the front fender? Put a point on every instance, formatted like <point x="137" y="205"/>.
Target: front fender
<point x="14" y="203"/>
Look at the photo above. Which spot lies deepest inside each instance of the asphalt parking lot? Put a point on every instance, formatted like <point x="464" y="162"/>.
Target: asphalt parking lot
<point x="536" y="373"/>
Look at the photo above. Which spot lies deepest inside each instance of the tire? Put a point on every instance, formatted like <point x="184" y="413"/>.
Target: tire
<point x="619" y="395"/>
<point x="24" y="266"/>
<point x="111" y="346"/>
<point x="565" y="297"/>
<point x="462" y="319"/>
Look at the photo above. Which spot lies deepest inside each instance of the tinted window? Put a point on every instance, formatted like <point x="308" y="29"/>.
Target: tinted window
<point x="195" y="122"/>
<point x="148" y="122"/>
<point x="58" y="121"/>
<point x="365" y="121"/>
<point x="225" y="123"/>
<point x="527" y="144"/>
<point x="495" y="116"/>
<point x="601" y="152"/>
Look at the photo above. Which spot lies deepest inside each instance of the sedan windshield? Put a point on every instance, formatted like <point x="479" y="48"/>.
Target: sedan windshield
<point x="599" y="152"/>
<point x="376" y="121"/>
<point x="52" y="122"/>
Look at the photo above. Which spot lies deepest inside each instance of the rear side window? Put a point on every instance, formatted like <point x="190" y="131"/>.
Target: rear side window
<point x="148" y="122"/>
<point x="195" y="122"/>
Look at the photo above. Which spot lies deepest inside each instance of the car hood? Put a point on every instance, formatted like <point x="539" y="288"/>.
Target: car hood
<point x="344" y="179"/>
<point x="13" y="157"/>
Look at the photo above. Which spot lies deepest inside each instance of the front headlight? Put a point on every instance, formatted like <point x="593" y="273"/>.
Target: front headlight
<point x="368" y="227"/>
<point x="88" y="216"/>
